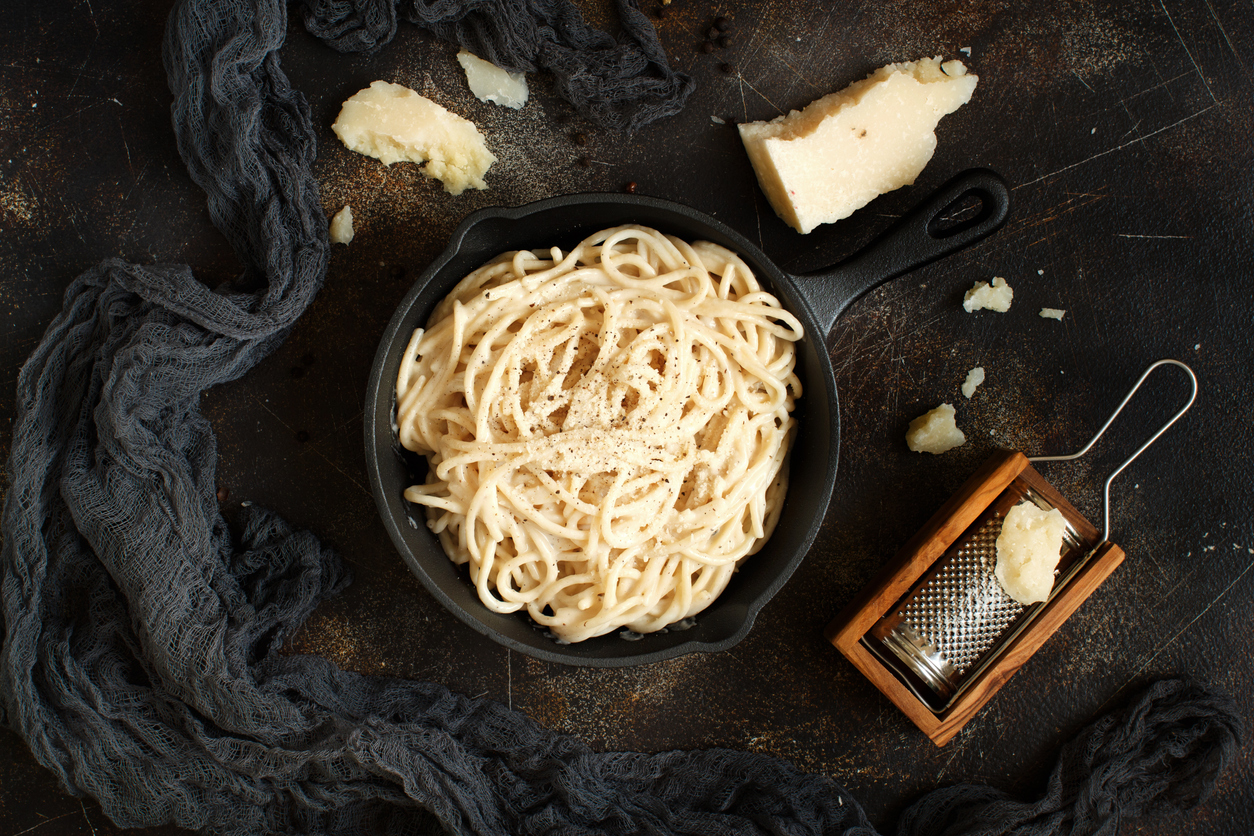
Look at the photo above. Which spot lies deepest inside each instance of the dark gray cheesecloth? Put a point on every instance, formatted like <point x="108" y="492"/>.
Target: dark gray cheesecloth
<point x="140" y="661"/>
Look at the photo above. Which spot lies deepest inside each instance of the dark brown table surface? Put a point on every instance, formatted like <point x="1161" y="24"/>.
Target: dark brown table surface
<point x="1124" y="131"/>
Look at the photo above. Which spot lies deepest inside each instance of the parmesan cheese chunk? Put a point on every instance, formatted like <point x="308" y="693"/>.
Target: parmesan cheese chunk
<point x="974" y="378"/>
<point x="823" y="163"/>
<point x="984" y="296"/>
<point x="342" y="226"/>
<point x="393" y="123"/>
<point x="1028" y="550"/>
<point x="935" y="431"/>
<point x="490" y="83"/>
<point x="1052" y="313"/>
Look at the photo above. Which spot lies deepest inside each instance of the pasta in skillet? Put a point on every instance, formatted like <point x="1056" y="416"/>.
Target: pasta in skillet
<point x="607" y="429"/>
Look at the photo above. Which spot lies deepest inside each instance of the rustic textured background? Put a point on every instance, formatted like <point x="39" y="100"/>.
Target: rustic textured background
<point x="1125" y="135"/>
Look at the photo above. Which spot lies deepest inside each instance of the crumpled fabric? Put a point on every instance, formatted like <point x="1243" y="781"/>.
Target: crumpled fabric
<point x="141" y="663"/>
<point x="1159" y="755"/>
<point x="620" y="84"/>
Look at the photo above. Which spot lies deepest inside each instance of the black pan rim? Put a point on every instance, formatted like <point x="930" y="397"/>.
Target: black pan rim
<point x="392" y="515"/>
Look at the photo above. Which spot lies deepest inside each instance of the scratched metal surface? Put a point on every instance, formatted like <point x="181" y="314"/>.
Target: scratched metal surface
<point x="1124" y="133"/>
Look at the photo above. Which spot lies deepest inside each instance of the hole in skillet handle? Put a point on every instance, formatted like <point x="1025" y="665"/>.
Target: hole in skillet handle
<point x="968" y="208"/>
<point x="967" y="211"/>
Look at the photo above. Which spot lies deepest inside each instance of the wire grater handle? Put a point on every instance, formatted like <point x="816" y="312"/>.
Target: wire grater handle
<point x="1140" y="450"/>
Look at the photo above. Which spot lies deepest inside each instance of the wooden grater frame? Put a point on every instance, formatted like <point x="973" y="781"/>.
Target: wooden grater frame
<point x="929" y="545"/>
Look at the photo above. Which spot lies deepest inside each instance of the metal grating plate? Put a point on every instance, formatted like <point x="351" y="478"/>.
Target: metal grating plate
<point x="963" y="610"/>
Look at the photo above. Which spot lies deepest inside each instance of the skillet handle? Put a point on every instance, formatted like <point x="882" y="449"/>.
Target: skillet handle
<point x="916" y="239"/>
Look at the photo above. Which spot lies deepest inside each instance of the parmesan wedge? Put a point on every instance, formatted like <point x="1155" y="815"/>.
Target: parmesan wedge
<point x="821" y="164"/>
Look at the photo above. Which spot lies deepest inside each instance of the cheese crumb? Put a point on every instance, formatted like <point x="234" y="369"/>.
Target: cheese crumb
<point x="935" y="431"/>
<point x="991" y="297"/>
<point x="823" y="163"/>
<point x="492" y="84"/>
<point x="974" y="378"/>
<point x="1052" y="313"/>
<point x="393" y="123"/>
<point x="1028" y="550"/>
<point x="342" y="226"/>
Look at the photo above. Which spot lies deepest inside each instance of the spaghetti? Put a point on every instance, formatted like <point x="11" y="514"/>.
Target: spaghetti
<point x="607" y="429"/>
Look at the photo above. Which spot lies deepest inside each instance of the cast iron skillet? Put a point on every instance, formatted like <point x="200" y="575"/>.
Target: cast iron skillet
<point x="817" y="299"/>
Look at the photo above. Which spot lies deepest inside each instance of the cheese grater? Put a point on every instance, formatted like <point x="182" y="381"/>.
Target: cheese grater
<point x="944" y="631"/>
<point x="935" y="631"/>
